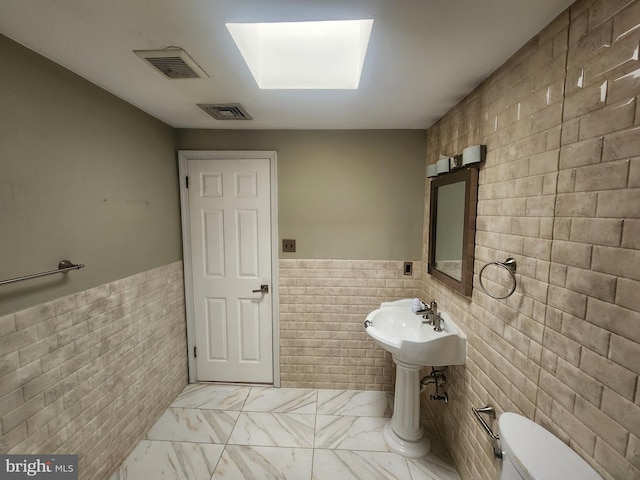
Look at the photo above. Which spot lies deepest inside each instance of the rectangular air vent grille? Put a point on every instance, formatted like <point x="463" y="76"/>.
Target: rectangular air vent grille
<point x="173" y="63"/>
<point x="226" y="111"/>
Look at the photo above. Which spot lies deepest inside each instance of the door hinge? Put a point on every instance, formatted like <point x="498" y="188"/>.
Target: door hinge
<point x="195" y="351"/>
<point x="186" y="182"/>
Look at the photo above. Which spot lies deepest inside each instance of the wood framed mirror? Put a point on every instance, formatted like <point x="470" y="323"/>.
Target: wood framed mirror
<point x="452" y="228"/>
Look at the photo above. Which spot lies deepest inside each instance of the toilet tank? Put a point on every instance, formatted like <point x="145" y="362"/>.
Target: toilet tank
<point x="531" y="452"/>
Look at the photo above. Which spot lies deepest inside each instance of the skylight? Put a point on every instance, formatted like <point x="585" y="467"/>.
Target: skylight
<point x="304" y="55"/>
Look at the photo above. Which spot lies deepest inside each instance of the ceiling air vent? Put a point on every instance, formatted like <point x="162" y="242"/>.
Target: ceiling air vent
<point x="226" y="111"/>
<point x="172" y="63"/>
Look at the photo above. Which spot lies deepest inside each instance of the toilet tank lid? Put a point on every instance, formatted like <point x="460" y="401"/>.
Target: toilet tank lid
<point x="538" y="454"/>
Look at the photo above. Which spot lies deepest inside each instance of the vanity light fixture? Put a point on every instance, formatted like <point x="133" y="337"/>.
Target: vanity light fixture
<point x="469" y="156"/>
<point x="304" y="55"/>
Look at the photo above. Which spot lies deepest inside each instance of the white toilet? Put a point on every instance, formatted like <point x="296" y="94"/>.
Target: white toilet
<point x="529" y="452"/>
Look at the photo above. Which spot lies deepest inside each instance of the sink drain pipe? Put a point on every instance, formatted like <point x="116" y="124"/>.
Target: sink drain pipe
<point x="438" y="379"/>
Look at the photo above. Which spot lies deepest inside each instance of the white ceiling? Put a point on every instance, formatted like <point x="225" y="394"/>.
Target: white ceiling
<point x="424" y="55"/>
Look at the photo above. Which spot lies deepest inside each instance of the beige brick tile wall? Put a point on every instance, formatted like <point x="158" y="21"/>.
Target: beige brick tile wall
<point x="560" y="193"/>
<point x="323" y="304"/>
<point x="91" y="372"/>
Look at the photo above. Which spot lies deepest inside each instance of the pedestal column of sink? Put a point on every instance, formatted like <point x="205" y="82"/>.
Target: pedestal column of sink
<point x="404" y="433"/>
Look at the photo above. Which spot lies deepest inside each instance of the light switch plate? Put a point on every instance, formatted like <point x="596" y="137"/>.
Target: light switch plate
<point x="408" y="268"/>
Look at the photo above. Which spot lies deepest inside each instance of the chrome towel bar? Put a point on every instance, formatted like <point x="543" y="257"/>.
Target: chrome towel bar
<point x="63" y="266"/>
<point x="489" y="410"/>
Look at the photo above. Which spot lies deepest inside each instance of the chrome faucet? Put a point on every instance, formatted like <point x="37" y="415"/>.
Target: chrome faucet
<point x="430" y="314"/>
<point x="434" y="310"/>
<point x="437" y="318"/>
<point x="425" y="312"/>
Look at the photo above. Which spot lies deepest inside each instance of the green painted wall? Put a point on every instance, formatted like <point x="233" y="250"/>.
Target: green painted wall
<point x="342" y="194"/>
<point x="84" y="176"/>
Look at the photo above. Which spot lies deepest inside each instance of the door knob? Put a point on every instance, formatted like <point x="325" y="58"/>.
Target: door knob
<point x="262" y="289"/>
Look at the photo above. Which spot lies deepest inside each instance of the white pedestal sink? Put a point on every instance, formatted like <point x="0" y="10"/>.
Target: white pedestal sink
<point x="413" y="345"/>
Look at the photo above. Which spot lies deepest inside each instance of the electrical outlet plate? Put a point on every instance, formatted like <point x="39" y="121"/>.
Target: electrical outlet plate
<point x="288" y="245"/>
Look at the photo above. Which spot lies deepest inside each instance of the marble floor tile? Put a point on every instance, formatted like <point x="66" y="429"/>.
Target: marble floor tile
<point x="274" y="429"/>
<point x="353" y="402"/>
<point x="214" y="431"/>
<point x="170" y="460"/>
<point x="354" y="465"/>
<point x="265" y="463"/>
<point x="350" y="433"/>
<point x="212" y="397"/>
<point x="194" y="425"/>
<point x="281" y="400"/>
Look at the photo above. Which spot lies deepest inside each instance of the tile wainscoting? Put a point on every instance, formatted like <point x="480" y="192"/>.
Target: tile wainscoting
<point x="322" y="308"/>
<point x="559" y="192"/>
<point x="90" y="373"/>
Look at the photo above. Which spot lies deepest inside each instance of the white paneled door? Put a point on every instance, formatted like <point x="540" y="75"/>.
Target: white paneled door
<point x="229" y="203"/>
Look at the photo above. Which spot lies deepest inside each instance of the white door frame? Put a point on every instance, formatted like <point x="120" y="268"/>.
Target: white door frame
<point x="183" y="157"/>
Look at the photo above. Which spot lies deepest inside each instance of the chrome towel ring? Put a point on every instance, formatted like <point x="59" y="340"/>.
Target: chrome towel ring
<point x="510" y="266"/>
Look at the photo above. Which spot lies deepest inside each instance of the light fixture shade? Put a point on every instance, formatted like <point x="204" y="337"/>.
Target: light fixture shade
<point x="442" y="165"/>
<point x="432" y="170"/>
<point x="304" y="55"/>
<point x="473" y="154"/>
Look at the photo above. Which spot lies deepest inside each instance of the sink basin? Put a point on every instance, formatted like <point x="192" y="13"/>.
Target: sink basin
<point x="400" y="331"/>
<point x="413" y="345"/>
